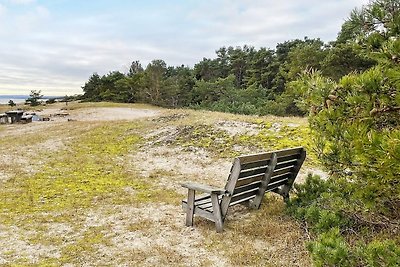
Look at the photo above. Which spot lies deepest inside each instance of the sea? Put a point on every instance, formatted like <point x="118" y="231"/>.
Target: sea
<point x="20" y="99"/>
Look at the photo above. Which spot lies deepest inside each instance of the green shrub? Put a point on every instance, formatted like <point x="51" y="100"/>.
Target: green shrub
<point x="381" y="253"/>
<point x="330" y="249"/>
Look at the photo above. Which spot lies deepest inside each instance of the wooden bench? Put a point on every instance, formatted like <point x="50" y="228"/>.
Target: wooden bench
<point x="250" y="178"/>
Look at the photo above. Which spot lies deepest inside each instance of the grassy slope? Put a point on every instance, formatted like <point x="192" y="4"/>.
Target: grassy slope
<point x="54" y="193"/>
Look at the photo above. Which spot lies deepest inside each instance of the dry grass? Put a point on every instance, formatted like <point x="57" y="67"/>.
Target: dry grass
<point x="108" y="193"/>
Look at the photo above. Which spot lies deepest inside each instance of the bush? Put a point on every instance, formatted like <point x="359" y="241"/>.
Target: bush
<point x="330" y="249"/>
<point x="381" y="253"/>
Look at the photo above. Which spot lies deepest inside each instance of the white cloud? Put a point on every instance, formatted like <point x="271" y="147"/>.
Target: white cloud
<point x="23" y="2"/>
<point x="57" y="52"/>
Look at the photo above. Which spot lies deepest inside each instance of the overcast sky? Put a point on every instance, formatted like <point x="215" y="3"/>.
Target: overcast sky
<point x="55" y="45"/>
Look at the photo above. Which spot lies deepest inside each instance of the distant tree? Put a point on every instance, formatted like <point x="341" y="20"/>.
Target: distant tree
<point x="109" y="89"/>
<point x="51" y="101"/>
<point x="155" y="74"/>
<point x="342" y="59"/>
<point x="34" y="98"/>
<point x="91" y="88"/>
<point x="11" y="103"/>
<point x="135" y="68"/>
<point x="207" y="70"/>
<point x="261" y="71"/>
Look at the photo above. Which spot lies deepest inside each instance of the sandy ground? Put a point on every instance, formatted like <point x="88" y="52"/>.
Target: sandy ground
<point x="97" y="114"/>
<point x="155" y="159"/>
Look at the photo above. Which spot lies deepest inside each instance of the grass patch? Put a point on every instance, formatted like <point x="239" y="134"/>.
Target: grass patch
<point x="220" y="144"/>
<point x="74" y="177"/>
<point x="264" y="237"/>
<point x="78" y="251"/>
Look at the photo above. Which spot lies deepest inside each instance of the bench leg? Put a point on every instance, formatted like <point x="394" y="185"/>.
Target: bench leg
<point x="190" y="208"/>
<point x="219" y="224"/>
<point x="286" y="197"/>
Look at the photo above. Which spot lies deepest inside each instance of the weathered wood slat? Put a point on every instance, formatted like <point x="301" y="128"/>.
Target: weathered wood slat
<point x="277" y="184"/>
<point x="285" y="165"/>
<point x="206" y="214"/>
<point x="296" y="169"/>
<point x="217" y="213"/>
<point x="243" y="196"/>
<point x="230" y="186"/>
<point x="256" y="164"/>
<point x="242" y="200"/>
<point x="264" y="182"/>
<point x="252" y="172"/>
<point x="249" y="180"/>
<point x="190" y="208"/>
<point x="280" y="178"/>
<point x="268" y="155"/>
<point x="282" y="171"/>
<point x="264" y="163"/>
<point x="247" y="187"/>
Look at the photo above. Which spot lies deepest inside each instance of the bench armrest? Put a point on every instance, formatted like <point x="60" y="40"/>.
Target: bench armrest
<point x="204" y="188"/>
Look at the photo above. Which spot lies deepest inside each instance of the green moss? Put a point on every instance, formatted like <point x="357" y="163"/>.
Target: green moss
<point x="162" y="195"/>
<point x="78" y="251"/>
<point x="220" y="144"/>
<point x="207" y="137"/>
<point x="74" y="177"/>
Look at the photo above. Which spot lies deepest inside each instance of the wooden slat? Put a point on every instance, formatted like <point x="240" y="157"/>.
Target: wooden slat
<point x="286" y="188"/>
<point x="256" y="164"/>
<point x="239" y="201"/>
<point x="205" y="205"/>
<point x="280" y="177"/>
<point x="249" y="180"/>
<point x="252" y="172"/>
<point x="264" y="163"/>
<point x="282" y="171"/>
<point x="287" y="158"/>
<point x="190" y="208"/>
<point x="254" y="158"/>
<point x="219" y="222"/>
<point x="275" y="185"/>
<point x="288" y="152"/>
<point x="230" y="186"/>
<point x="203" y="200"/>
<point x="206" y="214"/>
<point x="282" y="165"/>
<point x="245" y="188"/>
<point x="255" y="204"/>
<point x="265" y="156"/>
<point x="243" y="197"/>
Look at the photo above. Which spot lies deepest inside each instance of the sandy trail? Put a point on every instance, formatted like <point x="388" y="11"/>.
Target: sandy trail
<point x="98" y="114"/>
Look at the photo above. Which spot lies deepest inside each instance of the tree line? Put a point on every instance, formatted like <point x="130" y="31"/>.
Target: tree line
<point x="242" y="80"/>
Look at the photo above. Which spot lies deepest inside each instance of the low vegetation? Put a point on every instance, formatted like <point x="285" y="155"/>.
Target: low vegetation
<point x="100" y="193"/>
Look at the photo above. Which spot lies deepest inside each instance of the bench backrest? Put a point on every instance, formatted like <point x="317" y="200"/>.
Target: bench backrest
<point x="274" y="170"/>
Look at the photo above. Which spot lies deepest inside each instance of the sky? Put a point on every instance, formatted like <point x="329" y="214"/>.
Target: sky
<point x="56" y="45"/>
